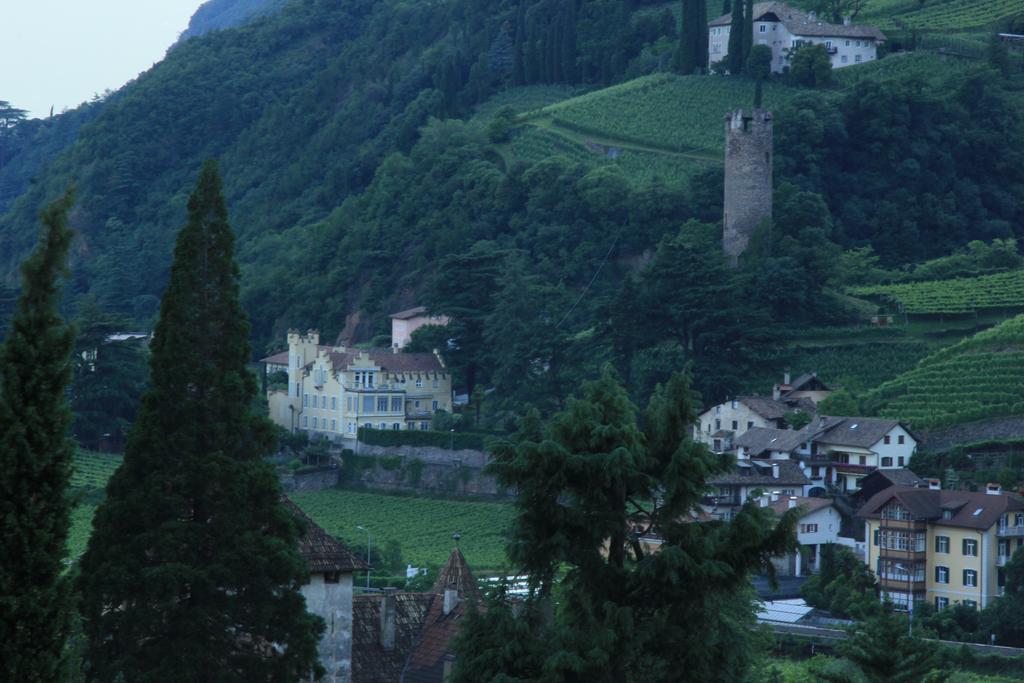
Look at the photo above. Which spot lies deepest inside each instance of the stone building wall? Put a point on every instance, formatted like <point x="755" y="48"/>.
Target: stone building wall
<point x="748" y="178"/>
<point x="333" y="603"/>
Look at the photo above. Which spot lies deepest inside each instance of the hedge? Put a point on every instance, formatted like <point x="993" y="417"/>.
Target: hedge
<point x="411" y="437"/>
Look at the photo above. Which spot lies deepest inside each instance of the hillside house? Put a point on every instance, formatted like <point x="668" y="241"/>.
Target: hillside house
<point x="328" y="594"/>
<point x="944" y="547"/>
<point x="718" y="426"/>
<point x="728" y="491"/>
<point x="404" y="323"/>
<point x="807" y="385"/>
<point x="334" y="391"/>
<point x="784" y="28"/>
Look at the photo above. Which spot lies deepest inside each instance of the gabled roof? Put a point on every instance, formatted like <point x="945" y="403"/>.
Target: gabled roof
<point x="410" y="313"/>
<point x="758" y="440"/>
<point x="754" y="473"/>
<point x="971" y="509"/>
<point x="800" y="23"/>
<point x="860" y="432"/>
<point x="276" y="359"/>
<point x="772" y="409"/>
<point x="806" y="380"/>
<point x="899" y="477"/>
<point x="806" y="505"/>
<point x="321" y="551"/>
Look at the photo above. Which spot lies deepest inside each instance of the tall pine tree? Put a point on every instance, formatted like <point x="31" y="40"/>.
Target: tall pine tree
<point x="687" y="58"/>
<point x="591" y="485"/>
<point x="35" y="464"/>
<point x="748" y="31"/>
<point x="192" y="572"/>
<point x="737" y="45"/>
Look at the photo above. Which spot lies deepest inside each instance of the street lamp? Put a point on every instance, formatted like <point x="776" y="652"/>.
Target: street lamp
<point x="361" y="528"/>
<point x="910" y="599"/>
<point x="451" y="439"/>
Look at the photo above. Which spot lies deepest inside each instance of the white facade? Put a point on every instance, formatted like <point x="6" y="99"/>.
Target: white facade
<point x="329" y="596"/>
<point x="843" y="51"/>
<point x="732" y="416"/>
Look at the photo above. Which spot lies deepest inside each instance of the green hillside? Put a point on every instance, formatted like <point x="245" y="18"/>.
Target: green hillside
<point x="663" y="111"/>
<point x="940" y="15"/>
<point x="979" y="377"/>
<point x="1001" y="291"/>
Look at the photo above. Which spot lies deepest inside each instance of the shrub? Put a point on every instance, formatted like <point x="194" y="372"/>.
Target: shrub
<point x="387" y="437"/>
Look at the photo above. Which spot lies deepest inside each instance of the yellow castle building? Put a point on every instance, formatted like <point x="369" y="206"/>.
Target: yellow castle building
<point x="334" y="390"/>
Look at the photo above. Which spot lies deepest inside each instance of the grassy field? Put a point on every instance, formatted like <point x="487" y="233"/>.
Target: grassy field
<point x="792" y="671"/>
<point x="976" y="378"/>
<point x="424" y="526"/>
<point x="962" y="295"/>
<point x="92" y="470"/>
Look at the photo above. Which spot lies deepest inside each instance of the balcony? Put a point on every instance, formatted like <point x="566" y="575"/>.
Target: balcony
<point x="903" y="555"/>
<point x="897" y="584"/>
<point x="1001" y="560"/>
<point x="832" y="50"/>
<point x="904" y="524"/>
<point x="1009" y="530"/>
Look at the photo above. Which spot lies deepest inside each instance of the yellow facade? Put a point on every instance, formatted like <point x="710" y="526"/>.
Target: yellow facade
<point x="945" y="563"/>
<point x="335" y="391"/>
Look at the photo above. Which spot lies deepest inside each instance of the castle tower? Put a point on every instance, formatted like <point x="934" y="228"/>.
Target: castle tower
<point x="748" y="179"/>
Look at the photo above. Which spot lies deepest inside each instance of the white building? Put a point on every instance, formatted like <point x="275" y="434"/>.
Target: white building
<point x="404" y="323"/>
<point x="719" y="425"/>
<point x="784" y="28"/>
<point x="819" y="524"/>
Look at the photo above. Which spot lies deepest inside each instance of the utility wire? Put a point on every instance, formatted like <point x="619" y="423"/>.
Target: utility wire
<point x="589" y="284"/>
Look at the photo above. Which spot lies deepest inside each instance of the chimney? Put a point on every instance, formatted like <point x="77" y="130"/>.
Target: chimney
<point x="387" y="619"/>
<point x="451" y="599"/>
<point x="775" y="496"/>
<point x="792" y="502"/>
<point x="775" y="470"/>
<point x="776" y="392"/>
<point x="785" y="377"/>
<point x="812" y="15"/>
<point x="846" y="21"/>
<point x="934" y="484"/>
<point x="993" y="489"/>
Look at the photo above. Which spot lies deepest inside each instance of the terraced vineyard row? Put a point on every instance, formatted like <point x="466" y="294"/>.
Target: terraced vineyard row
<point x="977" y="378"/>
<point x="912" y="66"/>
<point x="940" y="16"/>
<point x="675" y="113"/>
<point x="964" y="295"/>
<point x="92" y="470"/>
<point x="423" y="526"/>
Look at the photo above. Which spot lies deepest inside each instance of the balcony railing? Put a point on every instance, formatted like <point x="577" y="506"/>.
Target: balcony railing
<point x="904" y="524"/>
<point x="895" y="584"/>
<point x="900" y="554"/>
<point x="1010" y="530"/>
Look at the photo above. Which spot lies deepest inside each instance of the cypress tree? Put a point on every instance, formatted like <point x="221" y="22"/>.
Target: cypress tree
<point x="737" y="45"/>
<point x="192" y="572"/>
<point x="748" y="31"/>
<point x="688" y="39"/>
<point x="701" y="20"/>
<point x="35" y="464"/>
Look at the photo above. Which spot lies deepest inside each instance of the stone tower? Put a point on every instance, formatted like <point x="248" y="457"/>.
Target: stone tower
<point x="748" y="178"/>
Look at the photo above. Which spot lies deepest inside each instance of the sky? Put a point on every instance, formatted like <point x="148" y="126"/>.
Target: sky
<point x="61" y="52"/>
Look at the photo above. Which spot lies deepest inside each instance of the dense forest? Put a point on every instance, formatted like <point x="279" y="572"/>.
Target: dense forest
<point x="360" y="183"/>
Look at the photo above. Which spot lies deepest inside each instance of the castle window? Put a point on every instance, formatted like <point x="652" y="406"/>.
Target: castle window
<point x="763" y="28"/>
<point x="334" y="403"/>
<point x="382" y="404"/>
<point x="305" y="420"/>
<point x="395" y="426"/>
<point x="433" y="405"/>
<point x="383" y="425"/>
<point x="856" y="58"/>
<point x="305" y="400"/>
<point x="419" y="382"/>
<point x="323" y="401"/>
<point x="844" y="59"/>
<point x="396" y="404"/>
<point x="437" y="383"/>
<point x="314" y="423"/>
<point x="847" y="43"/>
<point x="334" y="425"/>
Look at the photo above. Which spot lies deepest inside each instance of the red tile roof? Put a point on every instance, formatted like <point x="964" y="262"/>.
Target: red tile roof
<point x="321" y="551"/>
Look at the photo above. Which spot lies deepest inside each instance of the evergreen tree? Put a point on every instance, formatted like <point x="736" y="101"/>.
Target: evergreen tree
<point x="737" y="44"/>
<point x="883" y="652"/>
<point x="192" y="571"/>
<point x="35" y="464"/>
<point x="748" y="31"/>
<point x="688" y="60"/>
<point x="590" y="485"/>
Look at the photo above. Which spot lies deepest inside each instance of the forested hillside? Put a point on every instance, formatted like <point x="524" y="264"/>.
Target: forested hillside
<point x="534" y="169"/>
<point x="213" y="15"/>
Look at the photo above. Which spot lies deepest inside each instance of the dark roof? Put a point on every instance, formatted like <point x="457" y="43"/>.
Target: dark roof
<point x="389" y="361"/>
<point x="861" y="432"/>
<point x="809" y="378"/>
<point x="749" y="472"/>
<point x="758" y="440"/>
<point x="807" y="505"/>
<point x="321" y="551"/>
<point x="433" y="647"/>
<point x="276" y="359"/>
<point x="371" y="663"/>
<point x="972" y="510"/>
<point x="410" y="313"/>
<point x="771" y="409"/>
<point x="800" y="23"/>
<point x="901" y="477"/>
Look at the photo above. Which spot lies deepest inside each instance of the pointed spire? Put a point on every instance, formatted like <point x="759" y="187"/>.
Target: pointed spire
<point x="456" y="575"/>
